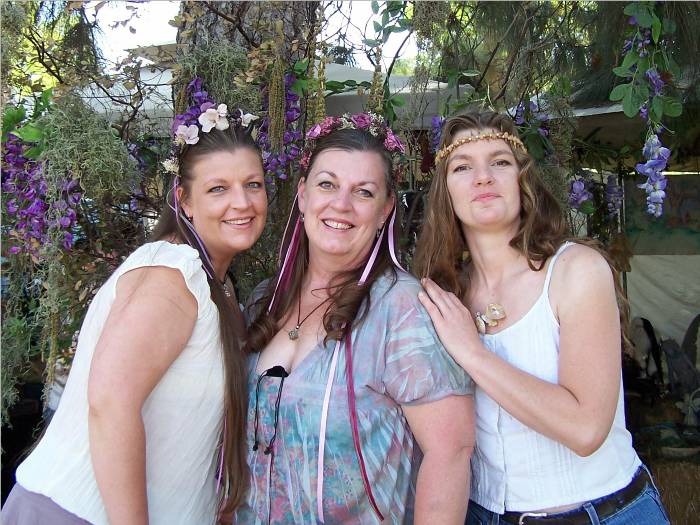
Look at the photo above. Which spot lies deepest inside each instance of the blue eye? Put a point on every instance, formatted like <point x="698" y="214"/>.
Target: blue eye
<point x="216" y="189"/>
<point x="461" y="167"/>
<point x="326" y="185"/>
<point x="365" y="193"/>
<point x="503" y="163"/>
<point x="255" y="185"/>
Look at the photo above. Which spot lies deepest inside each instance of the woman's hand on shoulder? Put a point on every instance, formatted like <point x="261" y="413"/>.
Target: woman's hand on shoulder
<point x="150" y="321"/>
<point x="452" y="321"/>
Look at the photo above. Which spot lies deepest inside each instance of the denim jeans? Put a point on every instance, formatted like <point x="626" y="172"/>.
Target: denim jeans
<point x="645" y="509"/>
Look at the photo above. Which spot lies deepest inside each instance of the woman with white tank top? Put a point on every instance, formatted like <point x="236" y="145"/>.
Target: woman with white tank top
<point x="150" y="427"/>
<point x="540" y="335"/>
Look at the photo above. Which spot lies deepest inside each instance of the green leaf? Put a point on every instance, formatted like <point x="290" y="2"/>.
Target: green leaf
<point x="644" y="16"/>
<point x="375" y="6"/>
<point x="397" y="101"/>
<point x="672" y="107"/>
<point x="394" y="6"/>
<point x="629" y="60"/>
<point x="619" y="92"/>
<point x="587" y="207"/>
<point x="385" y="34"/>
<point x="301" y="66"/>
<point x="622" y="72"/>
<point x="631" y="9"/>
<point x="533" y="141"/>
<point x="655" y="29"/>
<point x="641" y="93"/>
<point x="29" y="133"/>
<point x="385" y="17"/>
<point x="657" y="108"/>
<point x="33" y="153"/>
<point x="371" y="42"/>
<point x="377" y="27"/>
<point x="669" y="26"/>
<point x="334" y="85"/>
<point x="643" y="64"/>
<point x="300" y="86"/>
<point x="11" y="118"/>
<point x="628" y="104"/>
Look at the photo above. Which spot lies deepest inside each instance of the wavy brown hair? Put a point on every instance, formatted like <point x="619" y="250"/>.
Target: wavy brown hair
<point x="235" y="474"/>
<point x="442" y="250"/>
<point x="346" y="296"/>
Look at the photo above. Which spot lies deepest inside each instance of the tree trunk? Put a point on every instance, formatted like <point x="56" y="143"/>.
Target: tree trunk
<point x="248" y="25"/>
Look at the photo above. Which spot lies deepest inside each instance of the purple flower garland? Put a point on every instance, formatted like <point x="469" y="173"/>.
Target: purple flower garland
<point x="31" y="214"/>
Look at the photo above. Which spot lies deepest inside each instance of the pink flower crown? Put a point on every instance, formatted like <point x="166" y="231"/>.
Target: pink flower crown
<point x="370" y="122"/>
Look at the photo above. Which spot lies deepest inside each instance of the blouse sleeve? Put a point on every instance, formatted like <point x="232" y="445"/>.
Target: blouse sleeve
<point x="180" y="257"/>
<point x="417" y="368"/>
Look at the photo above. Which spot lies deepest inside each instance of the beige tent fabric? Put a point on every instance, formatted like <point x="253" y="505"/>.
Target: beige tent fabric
<point x="666" y="290"/>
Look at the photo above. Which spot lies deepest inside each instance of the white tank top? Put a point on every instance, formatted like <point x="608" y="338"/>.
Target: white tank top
<point x="515" y="468"/>
<point x="182" y="416"/>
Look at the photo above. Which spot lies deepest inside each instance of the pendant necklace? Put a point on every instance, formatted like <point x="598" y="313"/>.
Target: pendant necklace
<point x="294" y="332"/>
<point x="494" y="313"/>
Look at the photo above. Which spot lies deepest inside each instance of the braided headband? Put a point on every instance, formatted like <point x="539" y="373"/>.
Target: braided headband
<point x="514" y="141"/>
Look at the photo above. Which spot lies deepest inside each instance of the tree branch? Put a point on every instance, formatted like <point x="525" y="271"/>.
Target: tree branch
<point x="236" y="23"/>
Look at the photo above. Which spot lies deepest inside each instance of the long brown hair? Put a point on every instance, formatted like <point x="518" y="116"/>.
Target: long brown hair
<point x="235" y="468"/>
<point x="345" y="296"/>
<point x="442" y="250"/>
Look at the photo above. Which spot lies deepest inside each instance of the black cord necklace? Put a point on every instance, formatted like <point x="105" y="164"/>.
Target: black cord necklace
<point x="294" y="332"/>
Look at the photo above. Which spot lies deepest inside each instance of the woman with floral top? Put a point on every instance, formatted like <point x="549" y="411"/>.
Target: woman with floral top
<point x="356" y="413"/>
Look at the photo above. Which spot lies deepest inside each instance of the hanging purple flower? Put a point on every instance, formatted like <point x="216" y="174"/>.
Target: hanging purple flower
<point x="613" y="196"/>
<point x="436" y="132"/>
<point x="657" y="159"/>
<point x="655" y="80"/>
<point x="579" y="193"/>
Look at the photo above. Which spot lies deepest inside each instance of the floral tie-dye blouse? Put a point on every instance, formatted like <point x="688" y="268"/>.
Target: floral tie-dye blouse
<point x="397" y="360"/>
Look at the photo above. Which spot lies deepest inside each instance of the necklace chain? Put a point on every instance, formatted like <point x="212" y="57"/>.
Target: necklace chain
<point x="294" y="332"/>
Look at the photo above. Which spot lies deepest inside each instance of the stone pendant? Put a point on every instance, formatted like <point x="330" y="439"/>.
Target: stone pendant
<point x="293" y="333"/>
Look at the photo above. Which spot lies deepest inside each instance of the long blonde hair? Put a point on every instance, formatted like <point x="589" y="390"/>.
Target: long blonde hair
<point x="442" y="250"/>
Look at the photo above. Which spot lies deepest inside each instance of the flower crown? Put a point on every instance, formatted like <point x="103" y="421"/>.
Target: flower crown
<point x="204" y="114"/>
<point x="370" y="122"/>
<point x="514" y="141"/>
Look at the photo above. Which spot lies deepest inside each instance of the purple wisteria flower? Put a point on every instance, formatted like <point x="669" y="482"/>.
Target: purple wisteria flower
<point x="520" y="114"/>
<point x="655" y="80"/>
<point x="436" y="132"/>
<point x="657" y="158"/>
<point x="579" y="193"/>
<point x="31" y="213"/>
<point x="613" y="196"/>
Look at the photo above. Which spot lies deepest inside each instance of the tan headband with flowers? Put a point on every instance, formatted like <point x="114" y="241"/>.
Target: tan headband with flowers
<point x="514" y="141"/>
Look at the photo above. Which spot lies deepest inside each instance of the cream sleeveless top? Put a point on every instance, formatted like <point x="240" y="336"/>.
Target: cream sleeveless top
<point x="182" y="416"/>
<point x="515" y="468"/>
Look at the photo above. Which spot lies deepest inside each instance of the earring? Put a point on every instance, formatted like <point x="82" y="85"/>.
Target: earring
<point x="301" y="217"/>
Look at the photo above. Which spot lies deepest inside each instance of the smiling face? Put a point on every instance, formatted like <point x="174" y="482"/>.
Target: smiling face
<point x="482" y="180"/>
<point x="227" y="201"/>
<point x="345" y="201"/>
